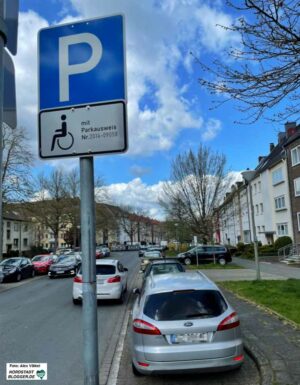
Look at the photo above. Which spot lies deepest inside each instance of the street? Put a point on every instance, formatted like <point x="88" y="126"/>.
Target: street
<point x="39" y="323"/>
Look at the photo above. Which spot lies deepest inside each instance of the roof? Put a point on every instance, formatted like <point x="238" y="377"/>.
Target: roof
<point x="178" y="281"/>
<point x="106" y="261"/>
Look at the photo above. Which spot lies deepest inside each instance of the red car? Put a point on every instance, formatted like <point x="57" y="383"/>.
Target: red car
<point x="41" y="263"/>
<point x="99" y="253"/>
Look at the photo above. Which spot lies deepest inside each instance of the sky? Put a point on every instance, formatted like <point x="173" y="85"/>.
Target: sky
<point x="168" y="111"/>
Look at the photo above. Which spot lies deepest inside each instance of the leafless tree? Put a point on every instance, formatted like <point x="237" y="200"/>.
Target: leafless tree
<point x="17" y="181"/>
<point x="264" y="70"/>
<point x="195" y="189"/>
<point x="130" y="220"/>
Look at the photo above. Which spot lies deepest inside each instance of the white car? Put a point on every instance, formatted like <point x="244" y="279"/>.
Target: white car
<point x="111" y="281"/>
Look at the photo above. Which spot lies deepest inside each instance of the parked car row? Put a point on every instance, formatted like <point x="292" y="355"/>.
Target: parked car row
<point x="181" y="322"/>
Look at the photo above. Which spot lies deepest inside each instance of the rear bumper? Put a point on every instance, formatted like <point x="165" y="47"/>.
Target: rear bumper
<point x="195" y="366"/>
<point x="113" y="293"/>
<point x="190" y="366"/>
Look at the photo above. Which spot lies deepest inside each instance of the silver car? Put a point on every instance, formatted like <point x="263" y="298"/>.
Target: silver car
<point x="183" y="323"/>
<point x="148" y="256"/>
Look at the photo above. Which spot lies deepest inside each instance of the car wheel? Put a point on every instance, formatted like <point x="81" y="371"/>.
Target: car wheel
<point x="19" y="277"/>
<point x="222" y="261"/>
<point x="76" y="301"/>
<point x="187" y="261"/>
<point x="122" y="297"/>
<point x="135" y="371"/>
<point x="125" y="290"/>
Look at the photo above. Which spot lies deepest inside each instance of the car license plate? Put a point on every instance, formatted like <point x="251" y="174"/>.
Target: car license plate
<point x="189" y="338"/>
<point x="100" y="281"/>
<point x="60" y="271"/>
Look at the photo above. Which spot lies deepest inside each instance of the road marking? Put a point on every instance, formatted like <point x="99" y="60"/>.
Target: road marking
<point x="113" y="374"/>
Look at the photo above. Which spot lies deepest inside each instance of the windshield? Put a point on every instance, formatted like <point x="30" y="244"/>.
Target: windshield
<point x="11" y="261"/>
<point x="66" y="259"/>
<point x="152" y="254"/>
<point x="40" y="258"/>
<point x="182" y="305"/>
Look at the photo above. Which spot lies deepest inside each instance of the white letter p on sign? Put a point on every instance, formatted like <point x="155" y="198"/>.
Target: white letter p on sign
<point x="65" y="69"/>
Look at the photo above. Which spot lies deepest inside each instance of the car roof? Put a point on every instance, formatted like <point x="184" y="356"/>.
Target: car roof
<point x="178" y="281"/>
<point x="107" y="261"/>
<point x="164" y="260"/>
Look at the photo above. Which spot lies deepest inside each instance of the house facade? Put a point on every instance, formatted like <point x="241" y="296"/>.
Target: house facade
<point x="274" y="189"/>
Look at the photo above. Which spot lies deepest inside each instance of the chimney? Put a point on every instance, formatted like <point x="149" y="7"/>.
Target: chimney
<point x="272" y="146"/>
<point x="290" y="128"/>
<point x="260" y="158"/>
<point x="281" y="136"/>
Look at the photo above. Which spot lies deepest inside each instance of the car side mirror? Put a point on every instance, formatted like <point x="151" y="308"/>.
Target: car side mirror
<point x="125" y="269"/>
<point x="136" y="290"/>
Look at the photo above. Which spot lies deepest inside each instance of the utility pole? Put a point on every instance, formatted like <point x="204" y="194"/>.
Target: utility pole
<point x="248" y="176"/>
<point x="3" y="39"/>
<point x="88" y="242"/>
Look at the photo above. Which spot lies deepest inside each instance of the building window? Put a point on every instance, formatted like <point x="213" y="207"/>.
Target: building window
<point x="7" y="234"/>
<point x="16" y="242"/>
<point x="257" y="209"/>
<point x="8" y="225"/>
<point x="295" y="155"/>
<point x="297" y="186"/>
<point x="298" y="219"/>
<point x="277" y="176"/>
<point x="259" y="187"/>
<point x="280" y="203"/>
<point x="25" y="242"/>
<point x="255" y="188"/>
<point x="16" y="226"/>
<point x="25" y="228"/>
<point x="261" y="208"/>
<point x="46" y="236"/>
<point x="258" y="229"/>
<point x="262" y="229"/>
<point x="282" y="228"/>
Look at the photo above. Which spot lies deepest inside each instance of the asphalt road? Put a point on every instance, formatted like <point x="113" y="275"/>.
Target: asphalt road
<point x="39" y="323"/>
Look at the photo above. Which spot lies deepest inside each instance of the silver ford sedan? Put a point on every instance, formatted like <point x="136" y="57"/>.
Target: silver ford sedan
<point x="183" y="323"/>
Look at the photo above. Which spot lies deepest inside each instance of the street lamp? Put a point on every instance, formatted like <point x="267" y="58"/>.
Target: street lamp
<point x="248" y="176"/>
<point x="176" y="229"/>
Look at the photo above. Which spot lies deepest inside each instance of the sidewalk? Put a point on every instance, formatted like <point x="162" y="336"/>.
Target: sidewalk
<point x="275" y="344"/>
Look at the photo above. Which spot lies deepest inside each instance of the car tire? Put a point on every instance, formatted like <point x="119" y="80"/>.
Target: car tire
<point x="187" y="261"/>
<point x="19" y="277"/>
<point x="135" y="371"/>
<point x="122" y="297"/>
<point x="76" y="301"/>
<point x="51" y="276"/>
<point x="222" y="261"/>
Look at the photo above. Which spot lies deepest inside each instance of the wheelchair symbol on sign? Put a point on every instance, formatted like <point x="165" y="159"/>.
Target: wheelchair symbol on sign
<point x="62" y="137"/>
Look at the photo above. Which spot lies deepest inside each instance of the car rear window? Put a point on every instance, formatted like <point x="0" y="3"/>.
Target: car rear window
<point x="182" y="305"/>
<point x="167" y="268"/>
<point x="105" y="269"/>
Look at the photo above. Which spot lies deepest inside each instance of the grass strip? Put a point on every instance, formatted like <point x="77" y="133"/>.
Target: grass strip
<point x="283" y="297"/>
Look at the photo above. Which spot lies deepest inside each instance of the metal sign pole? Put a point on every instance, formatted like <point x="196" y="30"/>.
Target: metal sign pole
<point x="2" y="39"/>
<point x="88" y="242"/>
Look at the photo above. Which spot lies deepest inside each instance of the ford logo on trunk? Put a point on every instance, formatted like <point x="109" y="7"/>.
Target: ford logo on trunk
<point x="188" y="324"/>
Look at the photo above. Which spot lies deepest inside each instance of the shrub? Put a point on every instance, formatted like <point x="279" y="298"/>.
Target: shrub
<point x="282" y="241"/>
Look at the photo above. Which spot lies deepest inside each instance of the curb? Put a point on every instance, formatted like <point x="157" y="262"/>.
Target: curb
<point x="107" y="364"/>
<point x="261" y="362"/>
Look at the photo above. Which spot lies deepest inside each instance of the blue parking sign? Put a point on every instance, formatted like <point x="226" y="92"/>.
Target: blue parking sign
<point x="82" y="63"/>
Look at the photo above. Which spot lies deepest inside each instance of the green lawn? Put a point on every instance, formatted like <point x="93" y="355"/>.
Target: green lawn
<point x="281" y="296"/>
<point x="204" y="266"/>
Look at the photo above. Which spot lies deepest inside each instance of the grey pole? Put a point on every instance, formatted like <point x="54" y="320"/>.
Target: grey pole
<point x="254" y="235"/>
<point x="88" y="247"/>
<point x="2" y="44"/>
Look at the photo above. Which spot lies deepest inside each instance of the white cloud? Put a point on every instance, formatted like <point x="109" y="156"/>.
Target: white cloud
<point x="138" y="195"/>
<point x="140" y="171"/>
<point x="211" y="129"/>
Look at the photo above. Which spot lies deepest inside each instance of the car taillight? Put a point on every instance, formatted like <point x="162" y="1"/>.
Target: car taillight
<point x="77" y="279"/>
<point x="117" y="278"/>
<point x="143" y="327"/>
<point x="230" y="322"/>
